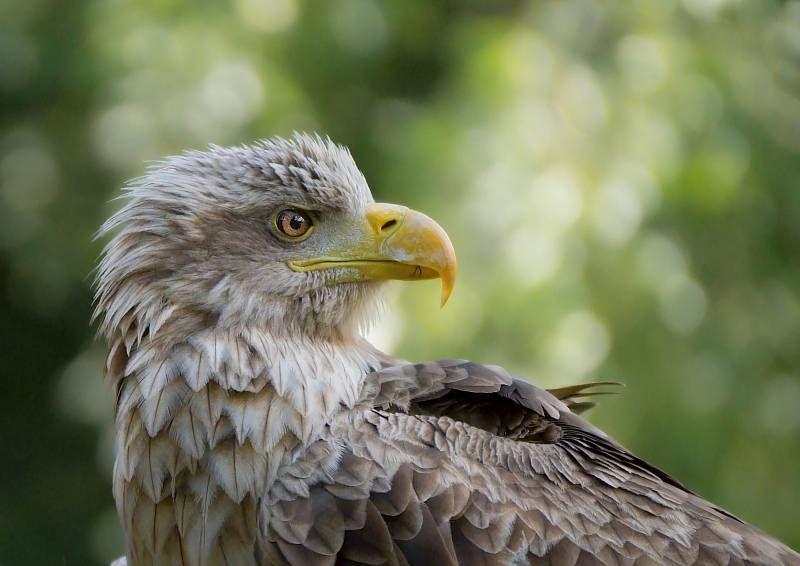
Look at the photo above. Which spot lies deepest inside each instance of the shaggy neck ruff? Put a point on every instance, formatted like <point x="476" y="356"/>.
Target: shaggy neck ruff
<point x="313" y="375"/>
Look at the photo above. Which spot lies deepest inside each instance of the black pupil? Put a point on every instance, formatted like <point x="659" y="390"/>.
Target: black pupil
<point x="296" y="222"/>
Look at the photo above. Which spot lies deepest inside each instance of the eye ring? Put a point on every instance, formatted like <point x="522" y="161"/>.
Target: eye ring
<point x="293" y="224"/>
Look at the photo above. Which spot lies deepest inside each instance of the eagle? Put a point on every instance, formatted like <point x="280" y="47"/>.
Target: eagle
<point x="256" y="425"/>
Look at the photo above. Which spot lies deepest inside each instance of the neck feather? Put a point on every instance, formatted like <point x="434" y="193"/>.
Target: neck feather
<point x="200" y="392"/>
<point x="313" y="375"/>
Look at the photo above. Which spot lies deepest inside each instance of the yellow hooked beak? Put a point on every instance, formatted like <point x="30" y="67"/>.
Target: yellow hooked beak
<point x="395" y="243"/>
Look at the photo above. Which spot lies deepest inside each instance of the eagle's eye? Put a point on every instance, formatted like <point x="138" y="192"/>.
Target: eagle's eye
<point x="293" y="223"/>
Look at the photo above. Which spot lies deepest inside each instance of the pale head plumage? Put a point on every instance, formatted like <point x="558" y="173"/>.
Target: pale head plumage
<point x="194" y="235"/>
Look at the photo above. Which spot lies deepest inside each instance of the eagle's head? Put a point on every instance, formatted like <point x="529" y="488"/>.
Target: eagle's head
<point x="283" y="233"/>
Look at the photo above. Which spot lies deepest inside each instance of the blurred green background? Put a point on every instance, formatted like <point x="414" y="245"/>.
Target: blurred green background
<point x="620" y="180"/>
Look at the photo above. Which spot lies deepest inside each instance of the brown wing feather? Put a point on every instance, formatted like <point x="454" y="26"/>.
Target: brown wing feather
<point x="575" y="395"/>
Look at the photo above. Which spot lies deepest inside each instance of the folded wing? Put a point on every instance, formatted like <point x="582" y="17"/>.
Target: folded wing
<point x="453" y="462"/>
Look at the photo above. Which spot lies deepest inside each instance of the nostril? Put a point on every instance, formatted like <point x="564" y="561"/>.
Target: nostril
<point x="388" y="224"/>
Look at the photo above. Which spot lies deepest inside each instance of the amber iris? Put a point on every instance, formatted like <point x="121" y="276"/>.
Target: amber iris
<point x="293" y="223"/>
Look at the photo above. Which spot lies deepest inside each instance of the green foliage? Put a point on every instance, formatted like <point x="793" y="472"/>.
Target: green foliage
<point x="619" y="179"/>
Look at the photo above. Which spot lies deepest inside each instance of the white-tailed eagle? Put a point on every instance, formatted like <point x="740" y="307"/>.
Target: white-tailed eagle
<point x="255" y="425"/>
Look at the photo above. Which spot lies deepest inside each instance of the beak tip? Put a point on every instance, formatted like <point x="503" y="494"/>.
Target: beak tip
<point x="447" y="290"/>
